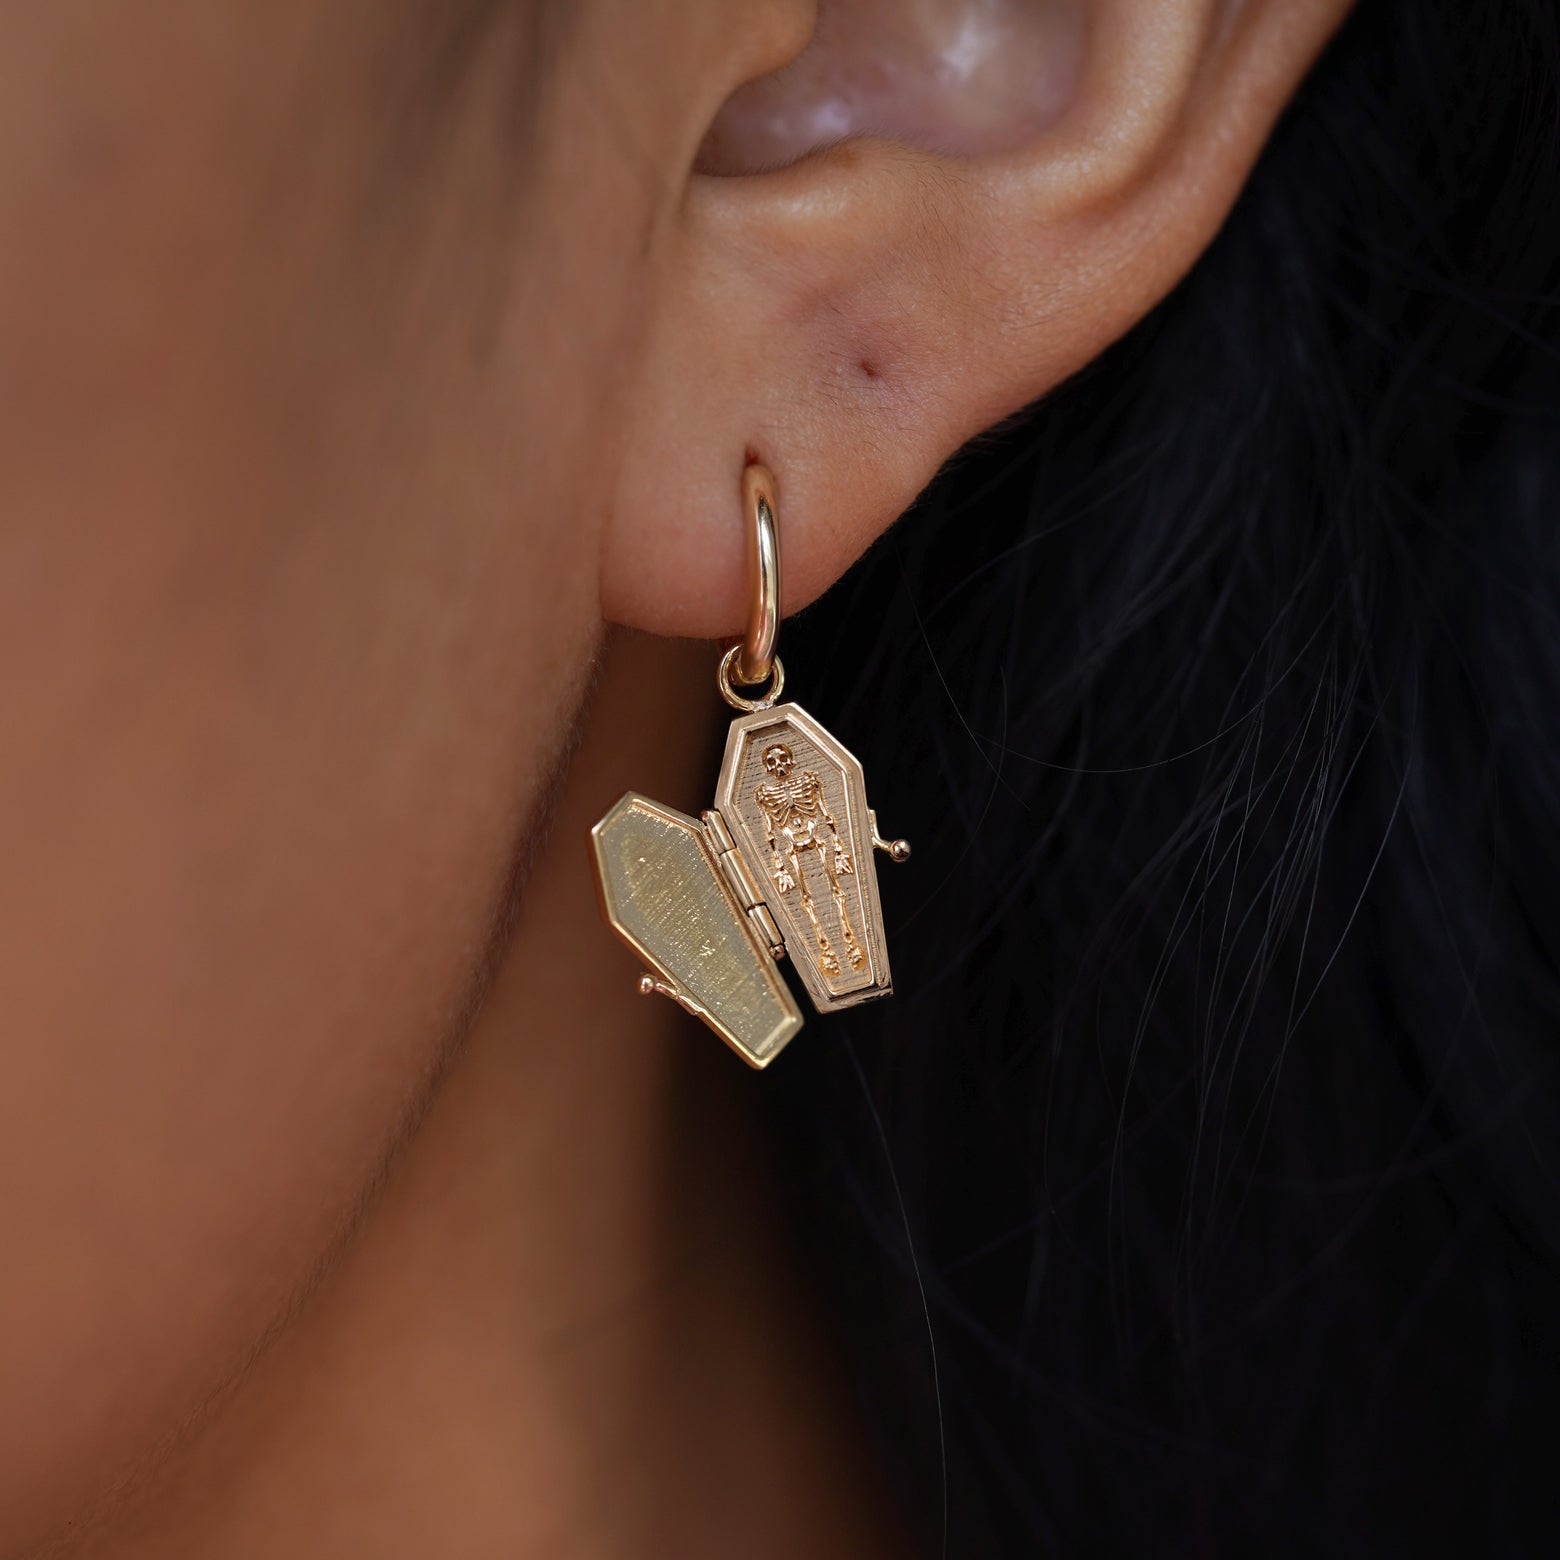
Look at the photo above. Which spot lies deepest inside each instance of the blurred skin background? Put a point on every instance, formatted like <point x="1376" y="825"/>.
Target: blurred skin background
<point x="375" y="384"/>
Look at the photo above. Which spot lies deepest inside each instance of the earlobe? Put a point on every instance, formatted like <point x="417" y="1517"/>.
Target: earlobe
<point x="852" y="318"/>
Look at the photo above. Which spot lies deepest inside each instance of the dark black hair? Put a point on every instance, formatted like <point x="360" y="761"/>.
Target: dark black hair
<point x="1221" y="700"/>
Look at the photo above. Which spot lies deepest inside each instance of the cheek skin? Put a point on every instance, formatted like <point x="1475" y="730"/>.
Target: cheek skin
<point x="301" y="599"/>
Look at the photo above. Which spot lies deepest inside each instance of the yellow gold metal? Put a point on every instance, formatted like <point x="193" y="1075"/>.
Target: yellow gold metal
<point x="740" y="881"/>
<point x="736" y="700"/>
<point x="757" y="650"/>
<point x="783" y="862"/>
<point x="663" y="894"/>
<point x="794" y="800"/>
<point x="896" y="850"/>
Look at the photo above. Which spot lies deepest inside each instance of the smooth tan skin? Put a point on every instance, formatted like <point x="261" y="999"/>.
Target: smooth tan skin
<point x="351" y="381"/>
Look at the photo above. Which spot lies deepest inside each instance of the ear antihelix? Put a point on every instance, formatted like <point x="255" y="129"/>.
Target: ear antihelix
<point x="781" y="863"/>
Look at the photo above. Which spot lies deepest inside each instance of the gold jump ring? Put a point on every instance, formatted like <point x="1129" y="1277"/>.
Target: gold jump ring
<point x="757" y="650"/>
<point x="723" y="678"/>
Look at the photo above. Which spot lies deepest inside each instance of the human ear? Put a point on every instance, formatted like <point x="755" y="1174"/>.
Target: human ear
<point x="852" y="317"/>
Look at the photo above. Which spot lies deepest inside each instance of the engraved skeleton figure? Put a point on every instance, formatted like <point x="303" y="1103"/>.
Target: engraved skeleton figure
<point x="797" y="821"/>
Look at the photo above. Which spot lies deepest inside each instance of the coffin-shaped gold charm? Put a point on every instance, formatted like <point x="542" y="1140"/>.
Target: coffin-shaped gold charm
<point x="663" y="892"/>
<point x="782" y="864"/>
<point x="795" y="802"/>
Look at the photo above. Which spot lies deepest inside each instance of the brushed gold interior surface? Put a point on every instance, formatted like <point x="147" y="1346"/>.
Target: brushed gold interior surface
<point x="810" y="851"/>
<point x="662" y="893"/>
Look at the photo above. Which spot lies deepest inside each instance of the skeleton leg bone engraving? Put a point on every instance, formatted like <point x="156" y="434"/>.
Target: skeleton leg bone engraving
<point x="797" y="822"/>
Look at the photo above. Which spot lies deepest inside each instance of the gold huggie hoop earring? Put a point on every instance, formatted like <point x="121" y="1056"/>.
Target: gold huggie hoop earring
<point x="791" y="815"/>
<point x="756" y="653"/>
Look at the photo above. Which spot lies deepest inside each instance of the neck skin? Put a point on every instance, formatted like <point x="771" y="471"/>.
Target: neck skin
<point x="568" y="1328"/>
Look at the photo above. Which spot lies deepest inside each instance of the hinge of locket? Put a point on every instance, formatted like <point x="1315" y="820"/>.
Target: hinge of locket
<point x="740" y="881"/>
